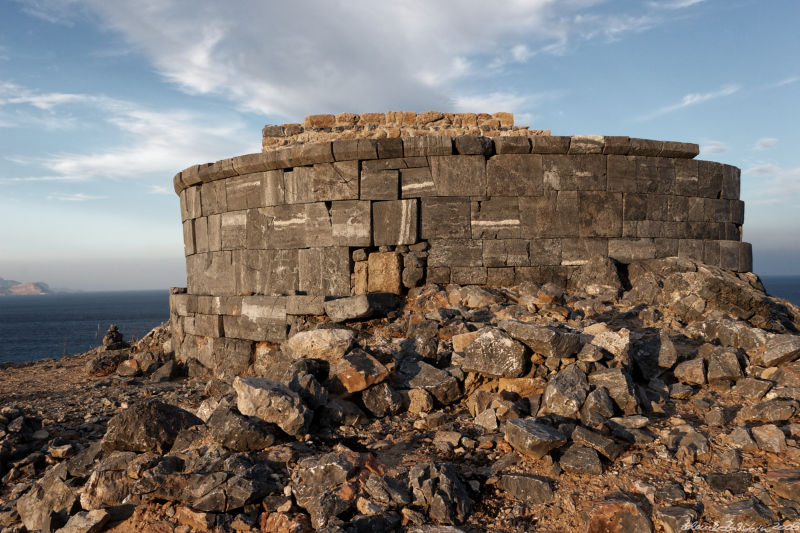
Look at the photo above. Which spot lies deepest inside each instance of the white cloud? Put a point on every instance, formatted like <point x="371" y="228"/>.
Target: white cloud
<point x="713" y="147"/>
<point x="74" y="197"/>
<point x="153" y="141"/>
<point x="693" y="99"/>
<point x="54" y="11"/>
<point x="777" y="185"/>
<point x="765" y="142"/>
<point x="784" y="82"/>
<point x="290" y="59"/>
<point x="160" y="189"/>
<point x="675" y="4"/>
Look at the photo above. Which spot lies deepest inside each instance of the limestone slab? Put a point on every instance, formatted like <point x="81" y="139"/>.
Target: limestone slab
<point x="325" y="271"/>
<point x="351" y="223"/>
<point x="445" y="217"/>
<point x="394" y="222"/>
<point x="459" y="175"/>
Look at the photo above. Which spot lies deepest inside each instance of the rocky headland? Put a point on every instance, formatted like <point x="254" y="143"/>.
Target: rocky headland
<point x="661" y="395"/>
<point x="10" y="287"/>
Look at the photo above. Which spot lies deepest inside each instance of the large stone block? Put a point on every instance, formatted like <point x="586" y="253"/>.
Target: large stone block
<point x="574" y="172"/>
<point x="622" y="173"/>
<point x="645" y="147"/>
<point x="629" y="250"/>
<point x="586" y="144"/>
<point x="325" y="271"/>
<point x="550" y="144"/>
<point x="737" y="212"/>
<point x="691" y="248"/>
<point x="188" y="238"/>
<point x="416" y="182"/>
<point x="395" y="163"/>
<point x="711" y="253"/>
<point x="544" y="252"/>
<point x="394" y="222"/>
<point x="289" y="226"/>
<point x="745" y="257"/>
<point x="514" y="175"/>
<point x="634" y="206"/>
<point x="555" y="214"/>
<point x="474" y="275"/>
<point x="616" y="145"/>
<point x="686" y="177"/>
<point x="658" y="206"/>
<point x="427" y="146"/>
<point x="194" y="207"/>
<point x="495" y="218"/>
<point x="272" y="188"/>
<point x="201" y="234"/>
<point x="512" y="145"/>
<point x="213" y="198"/>
<point x="601" y="214"/>
<point x="576" y="252"/>
<point x="459" y="175"/>
<point x="322" y="182"/>
<point x="225" y="357"/>
<point x="214" y="223"/>
<point x="710" y="177"/>
<point x="505" y="252"/>
<point x="455" y="252"/>
<point x="729" y="255"/>
<point x="207" y="326"/>
<point x="210" y="273"/>
<point x="444" y="217"/>
<point x="243" y="192"/>
<point x="473" y="145"/>
<point x="354" y="149"/>
<point x="678" y="208"/>
<point x="305" y="304"/>
<point x="270" y="272"/>
<point x="252" y="163"/>
<point x="384" y="272"/>
<point x="234" y="230"/>
<point x="351" y="223"/>
<point x="655" y="175"/>
<point x="390" y="147"/>
<point x="263" y="318"/>
<point x="717" y="210"/>
<point x="730" y="182"/>
<point x="379" y="185"/>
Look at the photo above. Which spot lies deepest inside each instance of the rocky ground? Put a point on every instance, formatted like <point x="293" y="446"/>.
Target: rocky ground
<point x="656" y="396"/>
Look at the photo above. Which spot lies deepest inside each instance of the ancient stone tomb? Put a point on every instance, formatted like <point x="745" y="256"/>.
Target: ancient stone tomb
<point x="285" y="232"/>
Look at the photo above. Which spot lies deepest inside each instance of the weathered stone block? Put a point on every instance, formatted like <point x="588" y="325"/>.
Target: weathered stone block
<point x="717" y="210"/>
<point x="360" y="306"/>
<point x="243" y="192"/>
<point x="439" y="274"/>
<point x="263" y="318"/>
<point x="315" y="152"/>
<point x="289" y="226"/>
<point x="188" y="238"/>
<point x="500" y="277"/>
<point x="552" y="215"/>
<point x="445" y="218"/>
<point x="737" y="212"/>
<point x="645" y="147"/>
<point x="351" y="223"/>
<point x="390" y="147"/>
<point x="305" y="304"/>
<point x="468" y="275"/>
<point x="271" y="272"/>
<point x="214" y="223"/>
<point x="251" y="163"/>
<point x="655" y="175"/>
<point x="622" y="174"/>
<point x="574" y="172"/>
<point x="379" y="185"/>
<point x="191" y="176"/>
<point x="495" y="218"/>
<point x="729" y="255"/>
<point x="354" y="149"/>
<point x="586" y="144"/>
<point x="394" y="222"/>
<point x="549" y="144"/>
<point x="473" y="145"/>
<point x="601" y="214"/>
<point x="394" y="163"/>
<point x="210" y="273"/>
<point x="505" y="252"/>
<point x="194" y="208"/>
<point x="427" y="146"/>
<point x="455" y="252"/>
<point x="678" y="208"/>
<point x="360" y="279"/>
<point x="512" y="145"/>
<point x="384" y="274"/>
<point x="691" y="248"/>
<point x="325" y="271"/>
<point x="686" y="177"/>
<point x="514" y="175"/>
<point x="629" y="250"/>
<point x="459" y="175"/>
<point x="696" y="209"/>
<point x="730" y="182"/>
<point x="416" y="182"/>
<point x="544" y="252"/>
<point x="233" y="230"/>
<point x="201" y="234"/>
<point x="213" y="198"/>
<point x="616" y="145"/>
<point x="272" y="188"/>
<point x="679" y="150"/>
<point x="634" y="206"/>
<point x="666" y="247"/>
<point x="579" y="251"/>
<point x="322" y="182"/>
<point x="745" y="257"/>
<point x="710" y="177"/>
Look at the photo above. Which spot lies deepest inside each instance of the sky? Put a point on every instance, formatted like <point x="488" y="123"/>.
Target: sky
<point x="103" y="101"/>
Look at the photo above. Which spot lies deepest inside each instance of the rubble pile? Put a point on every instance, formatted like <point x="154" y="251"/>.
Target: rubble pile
<point x="662" y="395"/>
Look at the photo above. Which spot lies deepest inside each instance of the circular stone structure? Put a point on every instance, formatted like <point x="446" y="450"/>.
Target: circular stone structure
<point x="328" y="211"/>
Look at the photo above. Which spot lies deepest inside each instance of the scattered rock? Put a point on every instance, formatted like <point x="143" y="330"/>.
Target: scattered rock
<point x="532" y="438"/>
<point x="150" y="426"/>
<point x="581" y="460"/>
<point x="494" y="353"/>
<point x="438" y="489"/>
<point x="617" y="516"/>
<point x="327" y="344"/>
<point x="526" y="488"/>
<point x="274" y="403"/>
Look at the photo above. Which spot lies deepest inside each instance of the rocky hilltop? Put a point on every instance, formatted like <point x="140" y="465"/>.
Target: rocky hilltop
<point x="661" y="395"/>
<point x="10" y="287"/>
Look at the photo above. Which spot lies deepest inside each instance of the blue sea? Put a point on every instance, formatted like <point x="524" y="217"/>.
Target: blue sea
<point x="54" y="325"/>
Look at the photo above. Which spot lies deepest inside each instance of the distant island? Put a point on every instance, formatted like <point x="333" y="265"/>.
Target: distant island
<point x="9" y="287"/>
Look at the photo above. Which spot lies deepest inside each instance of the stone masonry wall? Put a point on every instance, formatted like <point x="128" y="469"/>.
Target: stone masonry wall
<point x="274" y="235"/>
<point x="316" y="128"/>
